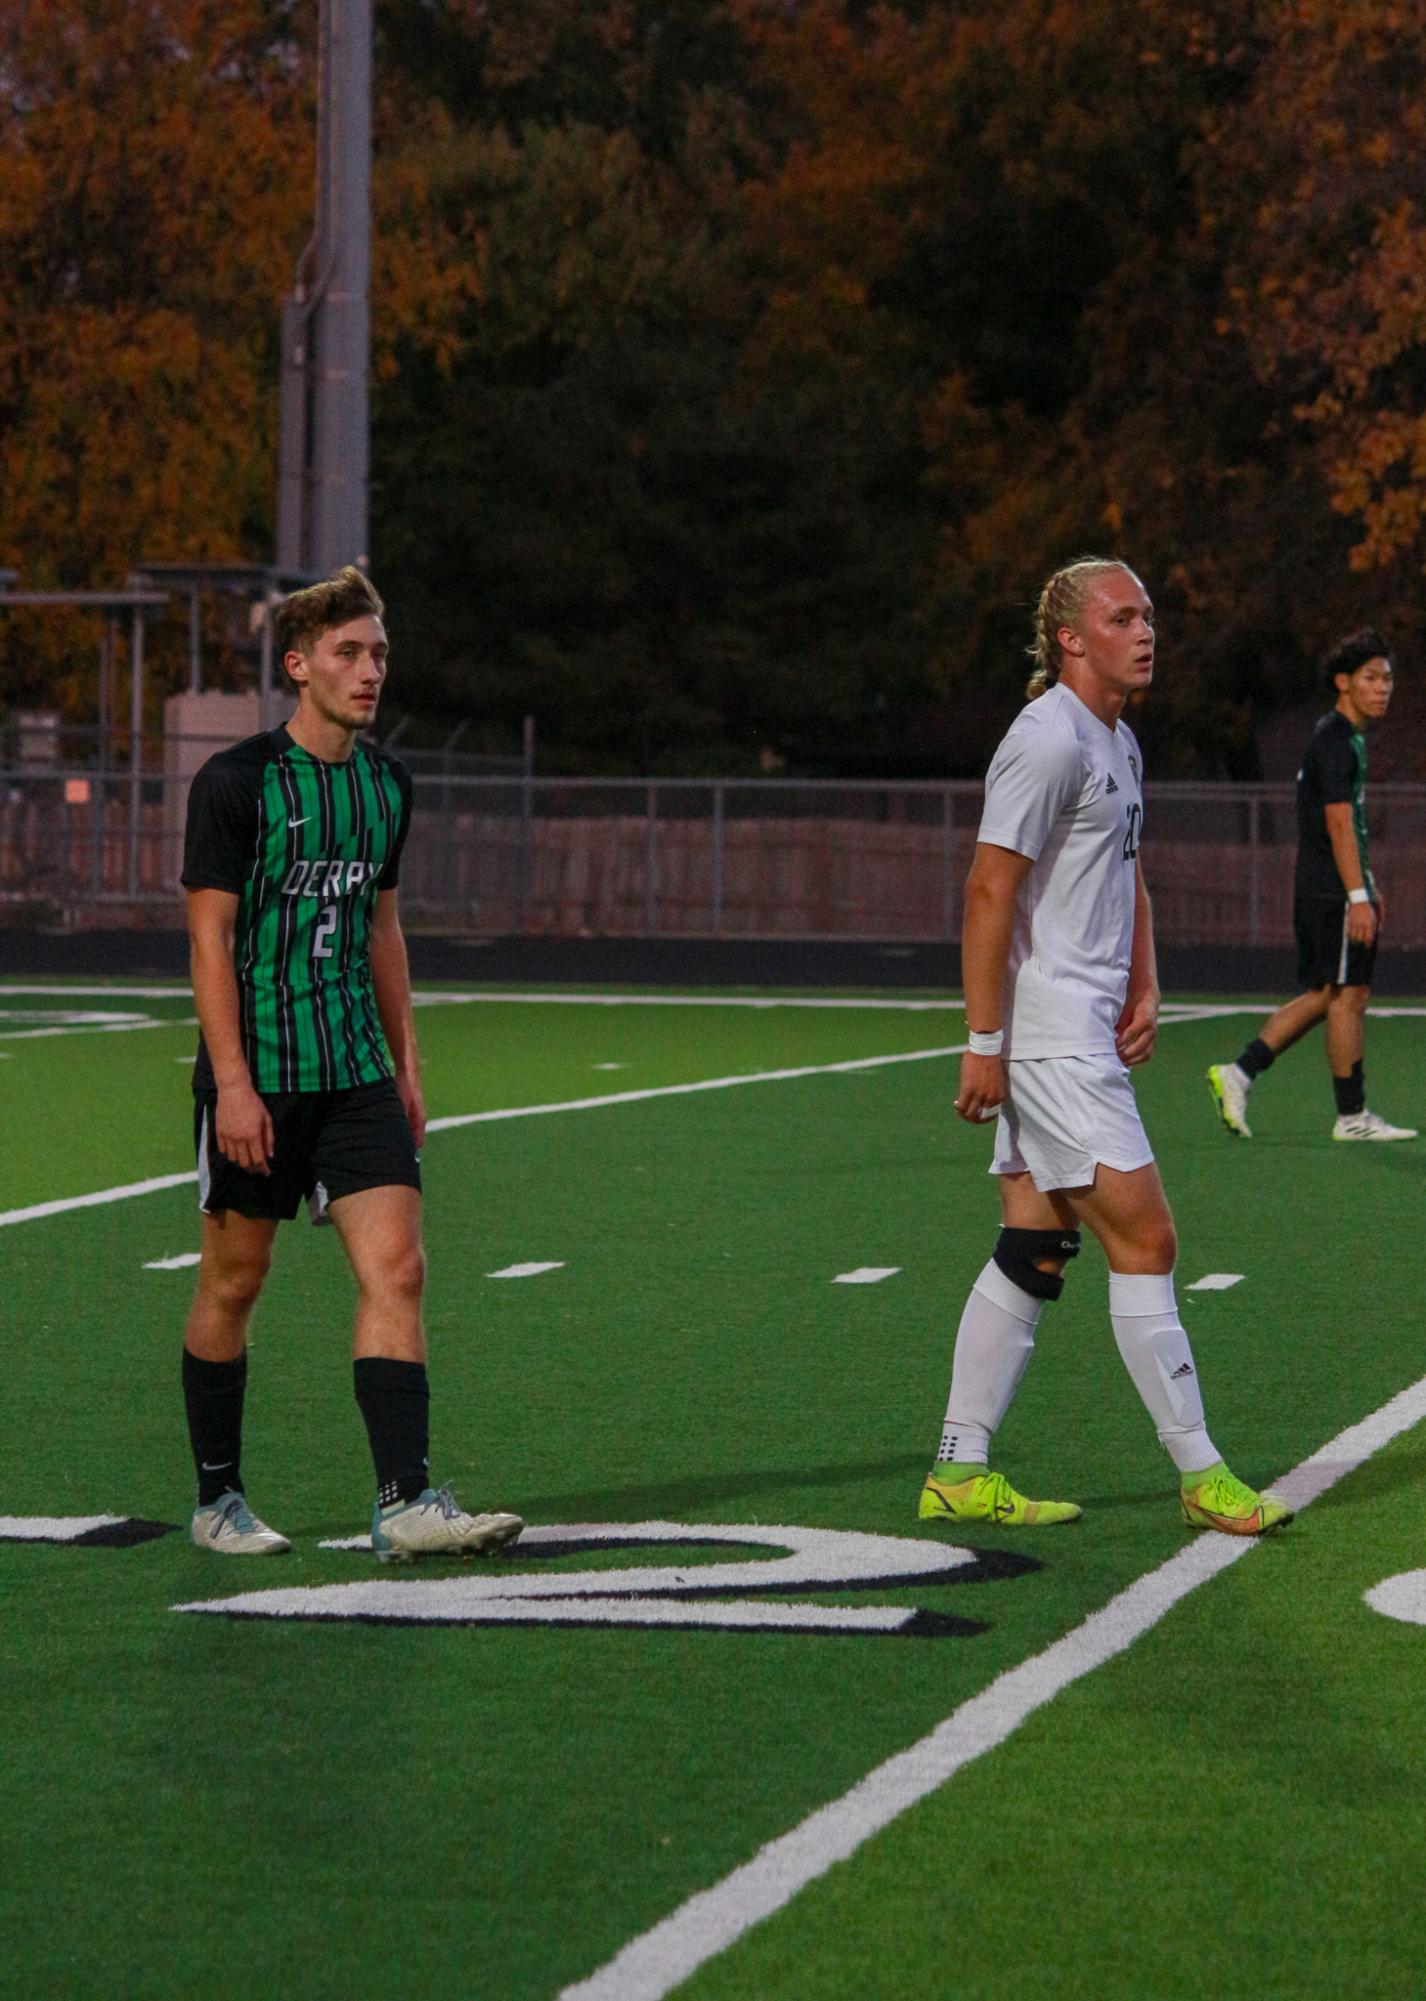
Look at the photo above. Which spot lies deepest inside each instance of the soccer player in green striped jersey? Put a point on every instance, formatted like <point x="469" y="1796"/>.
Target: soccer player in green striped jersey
<point x="308" y="1079"/>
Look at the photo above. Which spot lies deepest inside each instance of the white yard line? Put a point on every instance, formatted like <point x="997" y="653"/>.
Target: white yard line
<point x="37" y="1210"/>
<point x="866" y="1275"/>
<point x="1216" y="1281"/>
<point x="856" y="1063"/>
<point x="652" y="1965"/>
<point x="531" y="1270"/>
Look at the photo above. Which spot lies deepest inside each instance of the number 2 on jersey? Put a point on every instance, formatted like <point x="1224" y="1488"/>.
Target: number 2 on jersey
<point x="327" y="924"/>
<point x="1131" y="833"/>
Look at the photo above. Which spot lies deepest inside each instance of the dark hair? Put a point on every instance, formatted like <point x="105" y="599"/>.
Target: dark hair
<point x="1353" y="652"/>
<point x="301" y="619"/>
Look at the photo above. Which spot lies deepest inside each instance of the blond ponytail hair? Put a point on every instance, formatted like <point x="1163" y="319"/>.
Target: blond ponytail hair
<point x="1060" y="603"/>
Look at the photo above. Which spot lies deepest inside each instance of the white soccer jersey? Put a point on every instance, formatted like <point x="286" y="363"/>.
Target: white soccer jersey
<point x="1065" y="789"/>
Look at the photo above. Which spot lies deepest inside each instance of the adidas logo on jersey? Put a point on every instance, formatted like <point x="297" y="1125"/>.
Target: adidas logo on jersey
<point x="1110" y="786"/>
<point x="324" y="878"/>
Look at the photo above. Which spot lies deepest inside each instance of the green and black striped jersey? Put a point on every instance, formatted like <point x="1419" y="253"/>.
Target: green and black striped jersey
<point x="306" y="847"/>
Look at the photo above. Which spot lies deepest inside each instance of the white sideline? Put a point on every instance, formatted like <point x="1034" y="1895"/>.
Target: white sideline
<point x="655" y="1963"/>
<point x="433" y="997"/>
<point x="37" y="1210"/>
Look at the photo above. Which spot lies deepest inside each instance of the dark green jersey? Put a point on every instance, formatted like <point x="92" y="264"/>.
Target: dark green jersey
<point x="306" y="847"/>
<point x="1334" y="772"/>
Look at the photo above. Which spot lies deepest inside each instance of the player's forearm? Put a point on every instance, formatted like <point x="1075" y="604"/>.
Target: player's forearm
<point x="391" y="983"/>
<point x="985" y="952"/>
<point x="215" y="1001"/>
<point x="1143" y="958"/>
<point x="1345" y="852"/>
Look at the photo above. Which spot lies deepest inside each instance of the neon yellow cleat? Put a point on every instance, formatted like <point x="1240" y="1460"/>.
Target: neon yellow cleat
<point x="1223" y="1502"/>
<point x="989" y="1497"/>
<point x="1229" y="1089"/>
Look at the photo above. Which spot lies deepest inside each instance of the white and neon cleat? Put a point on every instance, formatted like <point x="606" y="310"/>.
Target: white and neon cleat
<point x="229" y="1527"/>
<point x="1367" y="1125"/>
<point x="434" y="1525"/>
<point x="1230" y="1086"/>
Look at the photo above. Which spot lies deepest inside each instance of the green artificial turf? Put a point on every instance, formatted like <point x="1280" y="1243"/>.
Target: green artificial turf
<point x="493" y="1811"/>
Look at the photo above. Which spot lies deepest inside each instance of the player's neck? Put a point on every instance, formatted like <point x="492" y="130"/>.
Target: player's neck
<point x="1345" y="706"/>
<point x="1103" y="702"/>
<point x="319" y="736"/>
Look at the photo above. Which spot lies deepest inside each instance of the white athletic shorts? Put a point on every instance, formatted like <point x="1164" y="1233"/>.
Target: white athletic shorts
<point x="1063" y="1116"/>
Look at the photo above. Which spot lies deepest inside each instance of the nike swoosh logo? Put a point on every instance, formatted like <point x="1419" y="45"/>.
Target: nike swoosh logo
<point x="299" y="823"/>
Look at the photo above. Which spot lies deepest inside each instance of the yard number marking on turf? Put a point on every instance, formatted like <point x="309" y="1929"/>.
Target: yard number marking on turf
<point x="527" y="1271"/>
<point x="652" y="1965"/>
<point x="1402" y="1597"/>
<point x="866" y="1275"/>
<point x="1216" y="1281"/>
<point x="82" y="1531"/>
<point x="174" y="1264"/>
<point x="676" y="1595"/>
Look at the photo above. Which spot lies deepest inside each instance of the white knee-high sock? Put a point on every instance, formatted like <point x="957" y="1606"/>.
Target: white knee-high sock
<point x="1159" y="1360"/>
<point x="994" y="1341"/>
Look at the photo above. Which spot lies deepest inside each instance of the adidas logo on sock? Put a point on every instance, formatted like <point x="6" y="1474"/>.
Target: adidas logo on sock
<point x="1184" y="1369"/>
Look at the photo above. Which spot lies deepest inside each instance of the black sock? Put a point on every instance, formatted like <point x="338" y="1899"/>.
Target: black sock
<point x="395" y="1401"/>
<point x="1256" y="1058"/>
<point x="1350" y="1093"/>
<point x="213" y="1398"/>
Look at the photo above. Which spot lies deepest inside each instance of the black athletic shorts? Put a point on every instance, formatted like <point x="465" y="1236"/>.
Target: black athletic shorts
<point x="326" y="1144"/>
<point x="1326" y="956"/>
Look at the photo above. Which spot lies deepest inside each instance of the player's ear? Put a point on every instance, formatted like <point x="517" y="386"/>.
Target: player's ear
<point x="1069" y="640"/>
<point x="294" y="666"/>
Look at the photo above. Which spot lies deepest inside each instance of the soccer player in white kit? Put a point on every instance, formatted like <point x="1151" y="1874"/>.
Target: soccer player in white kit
<point x="1061" y="1000"/>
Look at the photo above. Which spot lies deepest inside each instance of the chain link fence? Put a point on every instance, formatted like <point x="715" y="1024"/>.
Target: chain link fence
<point x="82" y="844"/>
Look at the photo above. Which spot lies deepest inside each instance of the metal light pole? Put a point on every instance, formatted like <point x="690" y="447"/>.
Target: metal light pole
<point x="323" y="418"/>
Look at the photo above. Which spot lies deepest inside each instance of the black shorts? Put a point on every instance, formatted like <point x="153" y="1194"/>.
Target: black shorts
<point x="326" y="1144"/>
<point x="1326" y="956"/>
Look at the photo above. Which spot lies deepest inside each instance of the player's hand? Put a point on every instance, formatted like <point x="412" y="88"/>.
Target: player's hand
<point x="408" y="1089"/>
<point x="1362" y="923"/>
<point x="243" y="1126"/>
<point x="982" y="1087"/>
<point x="1138" y="1030"/>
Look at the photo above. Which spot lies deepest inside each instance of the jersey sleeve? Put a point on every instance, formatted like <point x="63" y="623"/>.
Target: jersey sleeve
<point x="391" y="874"/>
<point x="1033" y="776"/>
<point x="220" y="839"/>
<point x="1336" y="768"/>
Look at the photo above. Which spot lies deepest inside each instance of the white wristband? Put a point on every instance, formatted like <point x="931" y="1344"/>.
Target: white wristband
<point x="1358" y="896"/>
<point x="987" y="1045"/>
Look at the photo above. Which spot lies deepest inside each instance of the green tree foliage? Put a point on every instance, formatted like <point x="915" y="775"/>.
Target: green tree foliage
<point x="743" y="366"/>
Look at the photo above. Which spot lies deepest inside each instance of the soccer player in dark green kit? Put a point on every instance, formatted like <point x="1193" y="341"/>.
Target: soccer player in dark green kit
<point x="1337" y="906"/>
<point x="308" y="1079"/>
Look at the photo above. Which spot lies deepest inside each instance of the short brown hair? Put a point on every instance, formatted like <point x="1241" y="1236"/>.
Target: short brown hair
<point x="303" y="617"/>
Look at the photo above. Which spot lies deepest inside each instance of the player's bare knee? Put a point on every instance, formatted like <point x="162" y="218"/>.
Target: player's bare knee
<point x="1159" y="1246"/>
<point x="234" y="1288"/>
<point x="402" y="1275"/>
<point x="1035" y="1259"/>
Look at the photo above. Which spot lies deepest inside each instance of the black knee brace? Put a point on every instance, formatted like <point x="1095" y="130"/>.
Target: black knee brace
<point x="1017" y="1250"/>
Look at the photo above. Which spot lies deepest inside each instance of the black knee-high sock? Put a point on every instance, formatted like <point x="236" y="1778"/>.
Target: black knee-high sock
<point x="1350" y="1092"/>
<point x="1256" y="1058"/>
<point x="213" y="1398"/>
<point x="395" y="1400"/>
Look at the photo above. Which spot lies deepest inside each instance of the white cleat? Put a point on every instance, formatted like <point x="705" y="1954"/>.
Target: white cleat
<point x="229" y="1527"/>
<point x="1367" y="1125"/>
<point x="434" y="1525"/>
<point x="1230" y="1087"/>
